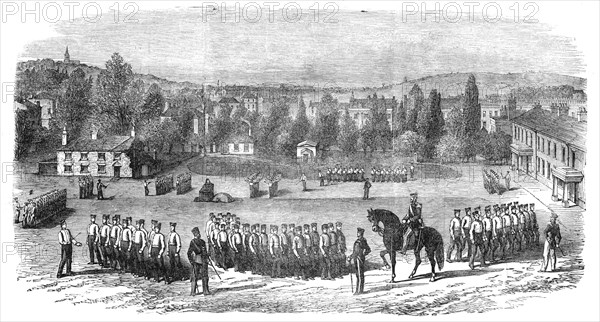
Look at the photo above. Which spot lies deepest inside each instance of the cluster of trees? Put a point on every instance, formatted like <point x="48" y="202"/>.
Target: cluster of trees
<point x="528" y="94"/>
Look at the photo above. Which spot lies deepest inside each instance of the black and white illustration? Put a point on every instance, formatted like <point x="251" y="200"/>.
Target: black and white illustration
<point x="299" y="160"/>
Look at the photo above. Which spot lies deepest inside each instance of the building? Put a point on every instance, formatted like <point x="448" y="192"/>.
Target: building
<point x="47" y="108"/>
<point x="230" y="102"/>
<point x="552" y="149"/>
<point x="240" y="144"/>
<point x="306" y="151"/>
<point x="250" y="102"/>
<point x="110" y="156"/>
<point x="68" y="59"/>
<point x="33" y="112"/>
<point x="488" y="111"/>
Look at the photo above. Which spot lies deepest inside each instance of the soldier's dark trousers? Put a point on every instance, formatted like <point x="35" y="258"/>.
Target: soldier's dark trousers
<point x="237" y="259"/>
<point x="333" y="259"/>
<point x="146" y="191"/>
<point x="360" y="275"/>
<point x="199" y="272"/>
<point x="488" y="245"/>
<point x="276" y="266"/>
<point x="478" y="248"/>
<point x="103" y="251"/>
<point x="100" y="195"/>
<point x="139" y="268"/>
<point x="66" y="258"/>
<point x="158" y="265"/>
<point x="455" y="243"/>
<point x="93" y="249"/>
<point x="175" y="265"/>
<point x="498" y="243"/>
<point x="325" y="267"/>
<point x="114" y="253"/>
<point x="124" y="256"/>
<point x="366" y="194"/>
<point x="466" y="242"/>
<point x="301" y="265"/>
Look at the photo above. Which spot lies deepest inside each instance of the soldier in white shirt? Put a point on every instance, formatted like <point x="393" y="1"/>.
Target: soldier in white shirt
<point x="66" y="241"/>
<point x="137" y="250"/>
<point x="157" y="250"/>
<point x="114" y="240"/>
<point x="173" y="254"/>
<point x="477" y="239"/>
<point x="125" y="245"/>
<point x="497" y="234"/>
<point x="104" y="241"/>
<point x="93" y="239"/>
<point x="455" y="237"/>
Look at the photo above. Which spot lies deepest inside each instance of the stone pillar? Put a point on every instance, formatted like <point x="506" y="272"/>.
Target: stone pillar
<point x="565" y="201"/>
<point x="554" y="189"/>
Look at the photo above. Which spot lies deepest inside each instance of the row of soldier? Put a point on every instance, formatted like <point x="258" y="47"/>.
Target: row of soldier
<point x="184" y="183"/>
<point x="392" y="174"/>
<point x="492" y="182"/>
<point x="341" y="174"/>
<point x="511" y="226"/>
<point x="164" y="185"/>
<point x="34" y="210"/>
<point x="131" y="248"/>
<point x="86" y="187"/>
<point x="298" y="251"/>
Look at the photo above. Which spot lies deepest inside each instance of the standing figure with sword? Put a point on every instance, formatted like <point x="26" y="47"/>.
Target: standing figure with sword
<point x="360" y="250"/>
<point x="553" y="238"/>
<point x="198" y="256"/>
<point x="66" y="241"/>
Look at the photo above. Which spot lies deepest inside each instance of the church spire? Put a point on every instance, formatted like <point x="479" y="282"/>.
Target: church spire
<point x="67" y="56"/>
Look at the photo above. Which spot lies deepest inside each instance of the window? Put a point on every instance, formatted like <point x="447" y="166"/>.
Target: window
<point x="101" y="168"/>
<point x="68" y="168"/>
<point x="68" y="156"/>
<point x="537" y="143"/>
<point x="548" y="172"/>
<point x="495" y="113"/>
<point x="484" y="125"/>
<point x="84" y="156"/>
<point x="356" y="116"/>
<point x="548" y="147"/>
<point x="538" y="165"/>
<point x="101" y="156"/>
<point x="563" y="155"/>
<point x="236" y="148"/>
<point x="543" y="145"/>
<point x="85" y="169"/>
<point x="484" y="112"/>
<point x="555" y="150"/>
<point x="246" y="147"/>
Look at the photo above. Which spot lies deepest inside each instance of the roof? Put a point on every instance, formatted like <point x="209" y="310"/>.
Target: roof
<point x="228" y="100"/>
<point x="249" y="95"/>
<point x="109" y="143"/>
<point x="26" y="105"/>
<point x="240" y="138"/>
<point x="562" y="128"/>
<point x="307" y="143"/>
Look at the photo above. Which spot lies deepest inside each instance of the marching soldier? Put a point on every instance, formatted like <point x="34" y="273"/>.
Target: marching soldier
<point x="246" y="255"/>
<point x="66" y="241"/>
<point x="115" y="239"/>
<point x="223" y="248"/>
<point x="553" y="238"/>
<point x="125" y="245"/>
<point x="173" y="253"/>
<point x="264" y="250"/>
<point x="516" y="233"/>
<point x="497" y="233"/>
<point x="107" y="260"/>
<point x="534" y="224"/>
<point x="359" y="251"/>
<point x="414" y="220"/>
<point x="286" y="249"/>
<point x="275" y="251"/>
<point x="93" y="238"/>
<point x="156" y="254"/>
<point x="508" y="234"/>
<point x="366" y="188"/>
<point x="488" y="232"/>
<point x="315" y="242"/>
<point x="455" y="240"/>
<point x="137" y="250"/>
<point x="289" y="239"/>
<point x="198" y="257"/>
<point x="523" y="228"/>
<point x="149" y="241"/>
<point x="254" y="244"/>
<point x="477" y="239"/>
<point x="310" y="252"/>
<point x="324" y="244"/>
<point x="299" y="253"/>
<point x="466" y="226"/>
<point x="333" y="252"/>
<point x="100" y="187"/>
<point x="237" y="249"/>
<point x="341" y="242"/>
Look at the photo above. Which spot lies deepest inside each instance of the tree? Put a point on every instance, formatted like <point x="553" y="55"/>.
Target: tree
<point x="399" y="120"/>
<point x="471" y="108"/>
<point x="24" y="134"/>
<point x="327" y="124"/>
<point x="270" y="127"/>
<point x="348" y="136"/>
<point x="409" y="143"/>
<point x="74" y="103"/>
<point x="416" y="101"/>
<point x="454" y="123"/>
<point x="152" y="106"/>
<point x="119" y="95"/>
<point x="449" y="148"/>
<point x="430" y="123"/>
<point x="301" y="125"/>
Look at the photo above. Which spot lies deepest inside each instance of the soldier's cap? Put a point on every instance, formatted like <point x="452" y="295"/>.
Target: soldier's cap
<point x="503" y="205"/>
<point x="292" y="225"/>
<point x="174" y="224"/>
<point x="124" y="220"/>
<point x="516" y="202"/>
<point x="115" y="217"/>
<point x="324" y="226"/>
<point x="274" y="227"/>
<point x="92" y="216"/>
<point x="306" y="226"/>
<point x="456" y="211"/>
<point x="236" y="226"/>
<point x="360" y="230"/>
<point x="195" y="231"/>
<point x="553" y="216"/>
<point x="531" y="205"/>
<point x="487" y="208"/>
<point x="246" y="225"/>
<point x="220" y="215"/>
<point x="211" y="215"/>
<point x="105" y="216"/>
<point x="228" y="214"/>
<point x="338" y="224"/>
<point x="142" y="221"/>
<point x="314" y="224"/>
<point x="63" y="222"/>
<point x="330" y="225"/>
<point x="263" y="226"/>
<point x="414" y="194"/>
<point x="478" y="208"/>
<point x="129" y="218"/>
<point x="298" y="228"/>
<point x="284" y="226"/>
<point x="468" y="209"/>
<point x="137" y="222"/>
<point x="158" y="225"/>
<point x="223" y="225"/>
<point x="99" y="180"/>
<point x="154" y="222"/>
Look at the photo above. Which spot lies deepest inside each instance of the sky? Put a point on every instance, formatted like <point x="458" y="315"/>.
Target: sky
<point x="353" y="48"/>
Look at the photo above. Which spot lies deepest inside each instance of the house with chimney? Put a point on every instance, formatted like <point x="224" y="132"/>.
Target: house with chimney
<point x="240" y="143"/>
<point x="112" y="156"/>
<point x="550" y="146"/>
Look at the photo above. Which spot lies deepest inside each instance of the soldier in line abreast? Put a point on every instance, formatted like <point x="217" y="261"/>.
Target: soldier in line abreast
<point x="93" y="240"/>
<point x="114" y="240"/>
<point x="333" y="251"/>
<point x="156" y="254"/>
<point x="466" y="226"/>
<point x="198" y="257"/>
<point x="254" y="246"/>
<point x="341" y="248"/>
<point x="299" y="255"/>
<point x="104" y="242"/>
<point x="515" y="233"/>
<point x="508" y="233"/>
<point x="497" y="234"/>
<point x="265" y="255"/>
<point x="246" y="254"/>
<point x="311" y="255"/>
<point x="125" y="246"/>
<point x="477" y="239"/>
<point x="66" y="241"/>
<point x="360" y="250"/>
<point x="524" y="232"/>
<point x="487" y="232"/>
<point x="174" y="243"/>
<point x="149" y="241"/>
<point x="137" y="250"/>
<point x="455" y="238"/>
<point x="222" y="246"/>
<point x="324" y="244"/>
<point x="237" y="249"/>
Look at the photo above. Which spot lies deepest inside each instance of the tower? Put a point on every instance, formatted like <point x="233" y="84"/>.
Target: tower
<point x="67" y="56"/>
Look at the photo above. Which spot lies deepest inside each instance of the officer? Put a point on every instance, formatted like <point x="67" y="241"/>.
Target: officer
<point x="465" y="224"/>
<point x="93" y="239"/>
<point x="156" y="254"/>
<point x="100" y="187"/>
<point x="66" y="241"/>
<point x="137" y="250"/>
<point x="455" y="237"/>
<point x="173" y="253"/>
<point x="341" y="242"/>
<point x="488" y="232"/>
<point x="357" y="259"/>
<point x="366" y="188"/>
<point x="497" y="233"/>
<point x="299" y="254"/>
<point x="104" y="241"/>
<point x="477" y="240"/>
<point x="325" y="259"/>
<point x="198" y="257"/>
<point x="553" y="238"/>
<point x="414" y="221"/>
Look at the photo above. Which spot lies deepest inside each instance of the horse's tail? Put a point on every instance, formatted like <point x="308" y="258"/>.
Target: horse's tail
<point x="439" y="254"/>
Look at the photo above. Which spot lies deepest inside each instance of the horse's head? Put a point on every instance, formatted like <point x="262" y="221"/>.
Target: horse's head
<point x="373" y="218"/>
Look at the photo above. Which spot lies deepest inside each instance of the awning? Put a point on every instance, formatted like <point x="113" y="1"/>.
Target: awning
<point x="567" y="174"/>
<point x="521" y="149"/>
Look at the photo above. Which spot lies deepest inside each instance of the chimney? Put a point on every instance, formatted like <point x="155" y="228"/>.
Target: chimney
<point x="94" y="132"/>
<point x="154" y="154"/>
<point x="64" y="136"/>
<point x="133" y="132"/>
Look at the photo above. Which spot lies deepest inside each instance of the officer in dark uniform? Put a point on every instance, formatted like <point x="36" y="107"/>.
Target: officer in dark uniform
<point x="66" y="241"/>
<point x="333" y="251"/>
<point x="324" y="253"/>
<point x="414" y="221"/>
<point x="100" y="187"/>
<point x="198" y="257"/>
<point x="359" y="251"/>
<point x="366" y="189"/>
<point x="341" y="247"/>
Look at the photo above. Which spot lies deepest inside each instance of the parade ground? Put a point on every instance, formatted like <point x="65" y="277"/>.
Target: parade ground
<point x="506" y="284"/>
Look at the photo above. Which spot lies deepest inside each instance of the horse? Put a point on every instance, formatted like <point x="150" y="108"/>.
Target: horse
<point x="393" y="232"/>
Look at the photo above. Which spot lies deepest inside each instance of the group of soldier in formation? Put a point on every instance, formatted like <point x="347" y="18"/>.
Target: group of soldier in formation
<point x="164" y="184"/>
<point x="86" y="187"/>
<point x="397" y="174"/>
<point x="34" y="210"/>
<point x="183" y="183"/>
<point x="502" y="228"/>
<point x="356" y="174"/>
<point x="492" y="183"/>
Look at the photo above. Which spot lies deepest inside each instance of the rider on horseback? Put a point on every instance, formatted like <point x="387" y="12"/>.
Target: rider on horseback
<point x="414" y="220"/>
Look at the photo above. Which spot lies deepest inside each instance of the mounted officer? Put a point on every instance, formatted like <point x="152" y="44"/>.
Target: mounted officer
<point x="414" y="221"/>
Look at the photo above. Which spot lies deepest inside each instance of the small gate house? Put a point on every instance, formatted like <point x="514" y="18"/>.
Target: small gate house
<point x="306" y="151"/>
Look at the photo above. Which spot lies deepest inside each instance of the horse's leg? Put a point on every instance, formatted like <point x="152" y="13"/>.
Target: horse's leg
<point x="417" y="262"/>
<point x="393" y="260"/>
<point x="382" y="254"/>
<point x="431" y="256"/>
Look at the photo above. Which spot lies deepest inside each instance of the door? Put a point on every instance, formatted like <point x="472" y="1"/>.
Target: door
<point x="305" y="158"/>
<point x="117" y="172"/>
<point x="144" y="170"/>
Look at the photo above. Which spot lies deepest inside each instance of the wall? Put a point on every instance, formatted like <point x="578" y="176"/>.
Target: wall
<point x="231" y="148"/>
<point x="93" y="164"/>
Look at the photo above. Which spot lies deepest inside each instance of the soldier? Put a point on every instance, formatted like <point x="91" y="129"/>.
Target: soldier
<point x="534" y="225"/>
<point x="264" y="250"/>
<point x="507" y="230"/>
<point x="104" y="241"/>
<point x="125" y="246"/>
<point x="497" y="233"/>
<point x="455" y="238"/>
<point x="17" y="210"/>
<point x="286" y="250"/>
<point x="333" y="251"/>
<point x="115" y="239"/>
<point x="412" y="171"/>
<point x="275" y="251"/>
<point x="66" y="241"/>
<point x="253" y="249"/>
<point x="321" y="179"/>
<point x="146" y="189"/>
<point x="466" y="226"/>
<point x="488" y="233"/>
<point x="303" y="180"/>
<point x="515" y="232"/>
<point x="173" y="253"/>
<point x="149" y="241"/>
<point x="523" y="227"/>
<point x="215" y="253"/>
<point x="137" y="250"/>
<point x="100" y="187"/>
<point x="299" y="254"/>
<point x="324" y="244"/>
<point x="366" y="188"/>
<point x="93" y="238"/>
<point x="210" y="225"/>
<point x="246" y="255"/>
<point x="341" y="248"/>
<point x="414" y="220"/>
<point x="310" y="252"/>
<point x="362" y="174"/>
<point x="222" y="245"/>
<point x="237" y="248"/>
<point x="198" y="257"/>
<point x="553" y="238"/>
<point x="477" y="239"/>
<point x="156" y="254"/>
<point x="359" y="251"/>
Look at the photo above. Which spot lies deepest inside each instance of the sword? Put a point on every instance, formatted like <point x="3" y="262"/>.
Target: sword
<point x="213" y="267"/>
<point x="351" y="282"/>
